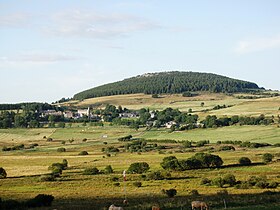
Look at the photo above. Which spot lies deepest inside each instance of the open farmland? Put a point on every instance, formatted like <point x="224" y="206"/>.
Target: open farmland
<point x="74" y="190"/>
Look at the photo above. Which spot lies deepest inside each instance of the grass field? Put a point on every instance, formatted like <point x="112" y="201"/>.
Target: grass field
<point x="73" y="190"/>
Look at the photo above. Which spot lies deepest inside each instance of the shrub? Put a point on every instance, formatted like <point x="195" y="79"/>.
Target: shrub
<point x="85" y="139"/>
<point x="40" y="200"/>
<point x="57" y="165"/>
<point x="244" y="161"/>
<point x="56" y="172"/>
<point x="47" y="178"/>
<point x="243" y="185"/>
<point x="267" y="157"/>
<point x="108" y="169"/>
<point x="61" y="149"/>
<point x="218" y="181"/>
<point x="156" y="175"/>
<point x="272" y="185"/>
<point x="65" y="163"/>
<point x="170" y="193"/>
<point x="229" y="179"/>
<point x="253" y="180"/>
<point x="83" y="153"/>
<point x="225" y="148"/>
<point x="138" y="168"/>
<point x="63" y="142"/>
<point x="91" y="171"/>
<point x="3" y="173"/>
<point x="262" y="184"/>
<point x="137" y="184"/>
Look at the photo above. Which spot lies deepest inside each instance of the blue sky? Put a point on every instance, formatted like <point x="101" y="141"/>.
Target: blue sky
<point x="53" y="49"/>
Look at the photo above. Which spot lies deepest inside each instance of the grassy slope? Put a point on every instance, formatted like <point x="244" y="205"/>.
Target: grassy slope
<point x="253" y="107"/>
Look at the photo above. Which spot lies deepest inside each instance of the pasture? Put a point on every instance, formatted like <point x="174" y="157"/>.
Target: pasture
<point x="74" y="190"/>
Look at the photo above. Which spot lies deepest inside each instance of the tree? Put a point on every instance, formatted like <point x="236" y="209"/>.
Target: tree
<point x="138" y="168"/>
<point x="244" y="161"/>
<point x="3" y="173"/>
<point x="108" y="169"/>
<point x="202" y="104"/>
<point x="171" y="163"/>
<point x="267" y="157"/>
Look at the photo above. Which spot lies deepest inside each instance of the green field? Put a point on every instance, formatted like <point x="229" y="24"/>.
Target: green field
<point x="73" y="190"/>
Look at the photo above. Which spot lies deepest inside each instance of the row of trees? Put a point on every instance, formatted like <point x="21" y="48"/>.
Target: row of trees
<point x="169" y="82"/>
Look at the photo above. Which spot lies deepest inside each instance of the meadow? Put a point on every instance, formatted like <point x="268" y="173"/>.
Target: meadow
<point x="75" y="190"/>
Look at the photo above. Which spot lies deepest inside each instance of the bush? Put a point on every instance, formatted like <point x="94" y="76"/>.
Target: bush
<point x="47" y="178"/>
<point x="10" y="204"/>
<point x="57" y="165"/>
<point x="244" y="161"/>
<point x="108" y="169"/>
<point x="262" y="184"/>
<point x="243" y="185"/>
<point x="137" y="184"/>
<point x="64" y="163"/>
<point x="156" y="175"/>
<point x="267" y="157"/>
<point x="61" y="149"/>
<point x="85" y="139"/>
<point x="83" y="153"/>
<point x="40" y="200"/>
<point x="229" y="179"/>
<point x="56" y="172"/>
<point x="3" y="173"/>
<point x="91" y="171"/>
<point x="272" y="185"/>
<point x="138" y="168"/>
<point x="170" y="193"/>
<point x="218" y="181"/>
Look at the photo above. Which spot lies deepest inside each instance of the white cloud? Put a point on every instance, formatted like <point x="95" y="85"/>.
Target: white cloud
<point x="255" y="45"/>
<point x="94" y="25"/>
<point x="14" y="19"/>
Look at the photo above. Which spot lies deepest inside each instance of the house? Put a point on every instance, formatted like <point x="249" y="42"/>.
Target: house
<point x="45" y="113"/>
<point x="128" y="115"/>
<point x="84" y="112"/>
<point x="68" y="114"/>
<point x="169" y="124"/>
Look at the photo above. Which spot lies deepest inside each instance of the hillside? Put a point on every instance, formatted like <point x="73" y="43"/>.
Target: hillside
<point x="169" y="82"/>
<point x="248" y="107"/>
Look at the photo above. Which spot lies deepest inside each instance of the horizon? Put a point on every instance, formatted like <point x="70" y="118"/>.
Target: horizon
<point x="53" y="50"/>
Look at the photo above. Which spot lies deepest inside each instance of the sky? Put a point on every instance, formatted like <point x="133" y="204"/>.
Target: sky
<point x="54" y="49"/>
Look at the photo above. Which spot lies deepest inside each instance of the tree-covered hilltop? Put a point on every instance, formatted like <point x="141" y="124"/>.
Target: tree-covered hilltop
<point x="169" y="82"/>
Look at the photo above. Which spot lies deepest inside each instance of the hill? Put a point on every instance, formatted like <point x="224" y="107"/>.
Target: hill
<point x="169" y="82"/>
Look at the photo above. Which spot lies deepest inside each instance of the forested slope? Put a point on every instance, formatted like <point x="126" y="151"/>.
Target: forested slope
<point x="169" y="82"/>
